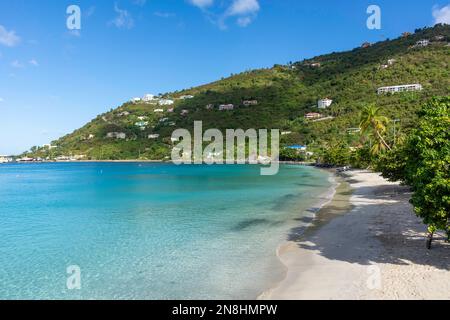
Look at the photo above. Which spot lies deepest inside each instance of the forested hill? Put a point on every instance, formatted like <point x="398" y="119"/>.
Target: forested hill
<point x="278" y="98"/>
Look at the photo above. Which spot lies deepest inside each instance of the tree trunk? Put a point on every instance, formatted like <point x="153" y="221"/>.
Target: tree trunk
<point x="429" y="239"/>
<point x="382" y="140"/>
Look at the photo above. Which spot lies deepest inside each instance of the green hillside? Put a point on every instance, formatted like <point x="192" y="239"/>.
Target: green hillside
<point x="285" y="93"/>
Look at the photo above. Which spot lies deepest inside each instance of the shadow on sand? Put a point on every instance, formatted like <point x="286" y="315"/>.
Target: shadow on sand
<point x="377" y="228"/>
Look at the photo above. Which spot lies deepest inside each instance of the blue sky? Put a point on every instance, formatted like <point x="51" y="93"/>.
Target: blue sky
<point x="53" y="80"/>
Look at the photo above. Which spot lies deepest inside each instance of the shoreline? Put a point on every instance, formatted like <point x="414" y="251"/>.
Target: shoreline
<point x="366" y="243"/>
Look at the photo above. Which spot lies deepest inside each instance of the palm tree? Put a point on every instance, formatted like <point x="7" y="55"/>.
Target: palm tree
<point x="374" y="124"/>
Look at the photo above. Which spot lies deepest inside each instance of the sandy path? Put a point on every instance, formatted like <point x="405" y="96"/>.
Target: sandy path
<point x="374" y="250"/>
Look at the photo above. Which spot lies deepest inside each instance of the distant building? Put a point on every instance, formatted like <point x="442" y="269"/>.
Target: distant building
<point x="184" y="112"/>
<point x="148" y="97"/>
<point x="116" y="135"/>
<point x="285" y="133"/>
<point x="124" y="114"/>
<point x="439" y="38"/>
<point x="136" y="100"/>
<point x="315" y="65"/>
<point x="187" y="97"/>
<point x="209" y="107"/>
<point x="163" y="119"/>
<point x="153" y="136"/>
<point x="142" y="118"/>
<point x="313" y="115"/>
<point x="141" y="124"/>
<point x="6" y="159"/>
<point x="366" y="45"/>
<point x="391" y="61"/>
<point x="49" y="146"/>
<point x="223" y="107"/>
<point x="250" y="103"/>
<point x="165" y="102"/>
<point x="158" y="110"/>
<point x="423" y="43"/>
<point x="400" y="88"/>
<point x="324" y="103"/>
<point x="91" y="136"/>
<point x="297" y="147"/>
<point x="171" y="110"/>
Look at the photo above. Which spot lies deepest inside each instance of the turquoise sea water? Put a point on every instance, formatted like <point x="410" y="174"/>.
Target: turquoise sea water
<point x="147" y="231"/>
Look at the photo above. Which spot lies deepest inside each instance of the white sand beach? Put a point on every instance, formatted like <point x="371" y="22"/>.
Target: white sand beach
<point x="374" y="249"/>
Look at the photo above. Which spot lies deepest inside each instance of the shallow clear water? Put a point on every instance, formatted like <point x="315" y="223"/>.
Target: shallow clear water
<point x="147" y="231"/>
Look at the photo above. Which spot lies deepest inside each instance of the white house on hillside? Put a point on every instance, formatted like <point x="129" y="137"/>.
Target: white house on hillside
<point x="223" y="107"/>
<point x="423" y="43"/>
<point x="324" y="103"/>
<point x="401" y="88"/>
<point x="166" y="102"/>
<point x="148" y="97"/>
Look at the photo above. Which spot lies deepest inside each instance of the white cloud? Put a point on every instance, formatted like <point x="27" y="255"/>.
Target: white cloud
<point x="17" y="64"/>
<point x="1" y="99"/>
<point x="441" y="15"/>
<point x="202" y="3"/>
<point x="244" y="21"/>
<point x="8" y="38"/>
<point x="124" y="20"/>
<point x="243" y="7"/>
<point x="244" y="10"/>
<point x="33" y="62"/>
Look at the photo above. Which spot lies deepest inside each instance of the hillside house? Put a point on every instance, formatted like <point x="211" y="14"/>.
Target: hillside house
<point x="91" y="136"/>
<point x="250" y="103"/>
<point x="148" y="97"/>
<point x="315" y="65"/>
<point x="116" y="135"/>
<point x="141" y="124"/>
<point x="285" y="133"/>
<point x="184" y="112"/>
<point x="439" y="38"/>
<point x="153" y="136"/>
<point x="158" y="110"/>
<point x="124" y="114"/>
<point x="209" y="107"/>
<point x="163" y="120"/>
<point x="324" y="103"/>
<point x="142" y="118"/>
<point x="391" y="61"/>
<point x="171" y="110"/>
<point x="366" y="45"/>
<point x="166" y="102"/>
<point x="313" y="115"/>
<point x="422" y="43"/>
<point x="400" y="88"/>
<point x="406" y="34"/>
<point x="298" y="148"/>
<point x="187" y="97"/>
<point x="224" y="107"/>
